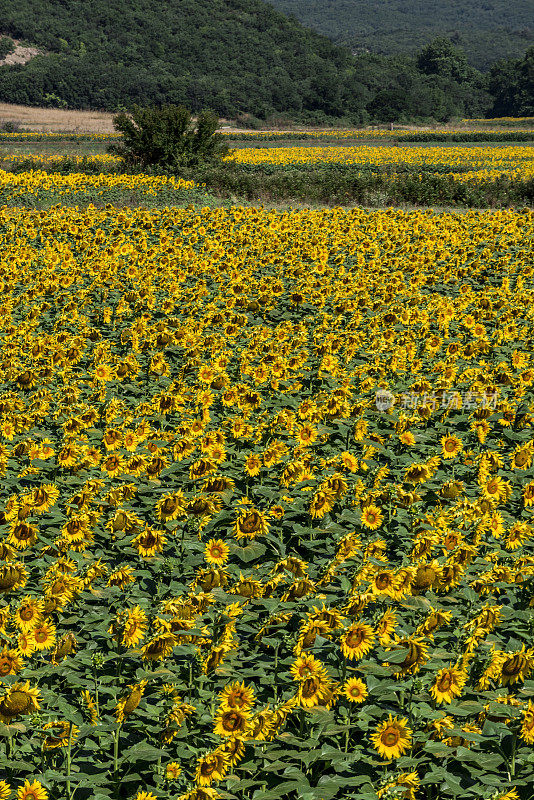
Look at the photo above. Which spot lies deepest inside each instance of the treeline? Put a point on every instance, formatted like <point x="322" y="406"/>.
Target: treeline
<point x="242" y="59"/>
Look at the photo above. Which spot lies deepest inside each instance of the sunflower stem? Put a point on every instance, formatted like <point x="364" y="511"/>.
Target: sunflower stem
<point x="69" y="754"/>
<point x="116" y="752"/>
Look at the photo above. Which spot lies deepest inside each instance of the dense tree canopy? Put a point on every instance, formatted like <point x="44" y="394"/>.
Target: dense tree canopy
<point x="236" y="57"/>
<point x="487" y="31"/>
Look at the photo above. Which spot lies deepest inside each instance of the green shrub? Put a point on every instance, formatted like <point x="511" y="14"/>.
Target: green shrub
<point x="168" y="139"/>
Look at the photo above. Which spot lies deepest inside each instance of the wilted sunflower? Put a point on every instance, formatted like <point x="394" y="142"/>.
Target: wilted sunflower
<point x="416" y="653"/>
<point x="211" y="767"/>
<point x="249" y="524"/>
<point x="260" y="726"/>
<point x="129" y="703"/>
<point x="392" y="737"/>
<point x="448" y="684"/>
<point x="171" y="506"/>
<point x="160" y="647"/>
<point x="18" y="699"/>
<point x="527" y="724"/>
<point x="58" y="734"/>
<point x="231" y="722"/>
<point x="10" y="662"/>
<point x="44" y="497"/>
<point x="321" y="503"/>
<point x="357" y="640"/>
<point x="149" y="542"/>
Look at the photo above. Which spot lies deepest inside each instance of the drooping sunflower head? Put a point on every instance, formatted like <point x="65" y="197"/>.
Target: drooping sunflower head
<point x="231" y="722"/>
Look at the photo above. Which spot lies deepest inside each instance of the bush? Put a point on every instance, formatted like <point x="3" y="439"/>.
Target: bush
<point x="168" y="139"/>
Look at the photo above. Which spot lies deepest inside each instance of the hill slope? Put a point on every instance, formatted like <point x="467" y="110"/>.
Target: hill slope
<point x="232" y="55"/>
<point x="487" y="31"/>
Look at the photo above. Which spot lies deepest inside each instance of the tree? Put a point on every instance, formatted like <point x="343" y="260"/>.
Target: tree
<point x="440" y="57"/>
<point x="168" y="138"/>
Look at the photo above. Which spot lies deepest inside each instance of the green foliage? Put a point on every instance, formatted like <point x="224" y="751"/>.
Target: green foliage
<point x="167" y="139"/>
<point x="7" y="46"/>
<point x="487" y="32"/>
<point x="512" y="86"/>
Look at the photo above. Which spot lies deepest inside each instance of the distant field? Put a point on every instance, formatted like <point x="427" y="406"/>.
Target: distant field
<point x="54" y="120"/>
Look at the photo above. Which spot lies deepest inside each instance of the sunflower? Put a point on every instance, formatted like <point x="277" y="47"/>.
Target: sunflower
<point x="44" y="636"/>
<point x="142" y="795"/>
<point x="19" y="699"/>
<point x="211" y="767"/>
<point x="321" y="503"/>
<point x="10" y="662"/>
<point x="357" y="640"/>
<point x="416" y="653"/>
<point x="450" y="446"/>
<point x="160" y="647"/>
<point x="355" y="690"/>
<point x="392" y="737"/>
<point x="249" y="524"/>
<point x="5" y="790"/>
<point x="237" y="696"/>
<point x="134" y="626"/>
<point x="22" y="535"/>
<point x="59" y="734"/>
<point x="383" y="582"/>
<point x="149" y="542"/>
<point x="32" y="791"/>
<point x="407" y="438"/>
<point x="216" y="552"/>
<point x="114" y="465"/>
<point x="171" y="506"/>
<point x="315" y="691"/>
<point x="527" y="724"/>
<point x="448" y="684"/>
<point x="528" y="494"/>
<point x="231" y="722"/>
<point x="349" y="461"/>
<point x="403" y="787"/>
<point x="129" y="703"/>
<point x="173" y="771"/>
<point x="385" y="626"/>
<point x="372" y="517"/>
<point x="517" y="535"/>
<point x="260" y="726"/>
<point x="253" y="465"/>
<point x="44" y="497"/>
<point x="28" y="614"/>
<point x="496" y="490"/>
<point x="306" y="666"/>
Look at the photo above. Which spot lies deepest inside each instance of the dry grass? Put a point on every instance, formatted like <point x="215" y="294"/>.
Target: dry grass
<point x="54" y="120"/>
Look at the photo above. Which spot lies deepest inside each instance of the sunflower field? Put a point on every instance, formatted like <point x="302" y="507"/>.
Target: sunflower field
<point x="267" y="500"/>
